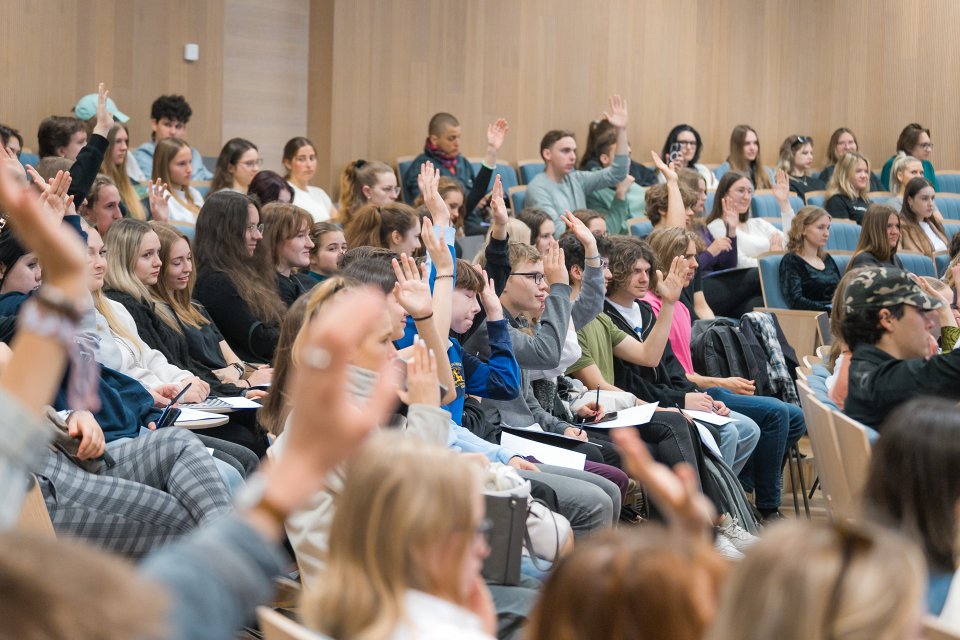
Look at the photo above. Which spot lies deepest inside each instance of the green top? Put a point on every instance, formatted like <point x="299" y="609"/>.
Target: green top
<point x="597" y="340"/>
<point x="617" y="212"/>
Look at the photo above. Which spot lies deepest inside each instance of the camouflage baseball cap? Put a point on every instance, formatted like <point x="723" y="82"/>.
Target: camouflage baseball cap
<point x="880" y="287"/>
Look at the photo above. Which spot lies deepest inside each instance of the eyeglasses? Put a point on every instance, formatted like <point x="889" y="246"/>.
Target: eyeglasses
<point x="252" y="163"/>
<point x="536" y="276"/>
<point x="393" y="190"/>
<point x="927" y="146"/>
<point x="854" y="540"/>
<point x="687" y="143"/>
<point x="255" y="227"/>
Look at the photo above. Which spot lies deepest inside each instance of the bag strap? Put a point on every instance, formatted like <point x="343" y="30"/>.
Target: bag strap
<point x="529" y="543"/>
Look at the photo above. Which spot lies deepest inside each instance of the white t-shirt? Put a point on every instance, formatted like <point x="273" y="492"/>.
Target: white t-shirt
<point x="935" y="240"/>
<point x="430" y="618"/>
<point x="753" y="239"/>
<point x="176" y="212"/>
<point x="314" y="201"/>
<point x="631" y="314"/>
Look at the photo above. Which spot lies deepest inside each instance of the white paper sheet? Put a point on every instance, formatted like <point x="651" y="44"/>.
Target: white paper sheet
<point x="707" y="439"/>
<point x="630" y="417"/>
<point x="193" y="415"/>
<point x="240" y="403"/>
<point x="545" y="453"/>
<point x="708" y="416"/>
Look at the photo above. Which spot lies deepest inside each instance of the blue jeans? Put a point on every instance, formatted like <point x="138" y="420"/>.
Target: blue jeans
<point x="738" y="439"/>
<point x="781" y="425"/>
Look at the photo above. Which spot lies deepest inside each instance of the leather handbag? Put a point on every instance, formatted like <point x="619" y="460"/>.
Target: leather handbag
<point x="508" y="513"/>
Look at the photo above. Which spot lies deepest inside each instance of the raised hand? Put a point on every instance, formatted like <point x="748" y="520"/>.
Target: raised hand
<point x="104" y="119"/>
<point x="436" y="249"/>
<point x="668" y="170"/>
<point x="670" y="287"/>
<point x="423" y="384"/>
<point x="554" y="266"/>
<point x="776" y="241"/>
<point x="781" y="186"/>
<point x="53" y="195"/>
<point x="411" y="290"/>
<point x="159" y="195"/>
<point x="581" y="233"/>
<point x="623" y="187"/>
<point x="617" y="116"/>
<point x="730" y="215"/>
<point x="429" y="183"/>
<point x="676" y="492"/>
<point x="488" y="297"/>
<point x="497" y="133"/>
<point x="498" y="208"/>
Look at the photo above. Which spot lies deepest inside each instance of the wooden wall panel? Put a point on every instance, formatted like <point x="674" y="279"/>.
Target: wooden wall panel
<point x="56" y="51"/>
<point x="783" y="67"/>
<point x="265" y="74"/>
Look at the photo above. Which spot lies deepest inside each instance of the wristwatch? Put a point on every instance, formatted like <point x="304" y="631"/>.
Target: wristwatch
<point x="253" y="496"/>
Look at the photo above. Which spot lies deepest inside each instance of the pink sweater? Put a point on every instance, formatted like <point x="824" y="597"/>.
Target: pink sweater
<point x="680" y="330"/>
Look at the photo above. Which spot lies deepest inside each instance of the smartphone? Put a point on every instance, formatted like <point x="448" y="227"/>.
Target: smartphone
<point x="168" y="418"/>
<point x="676" y="151"/>
<point x="607" y="417"/>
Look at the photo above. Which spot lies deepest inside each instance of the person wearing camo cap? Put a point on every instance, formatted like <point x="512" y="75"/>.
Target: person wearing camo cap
<point x="889" y="318"/>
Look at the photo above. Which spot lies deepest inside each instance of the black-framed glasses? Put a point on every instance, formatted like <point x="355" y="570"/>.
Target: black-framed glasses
<point x="536" y="276"/>
<point x="853" y="540"/>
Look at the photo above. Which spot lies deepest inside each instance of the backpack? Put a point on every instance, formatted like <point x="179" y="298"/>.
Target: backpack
<point x="719" y="350"/>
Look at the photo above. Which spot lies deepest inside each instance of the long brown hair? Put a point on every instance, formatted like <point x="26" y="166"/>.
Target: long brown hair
<point x="167" y="149"/>
<point x="179" y="301"/>
<point x="219" y="246"/>
<point x="739" y="162"/>
<point x="281" y="222"/>
<point x="118" y="173"/>
<point x="373" y="225"/>
<point x="910" y="224"/>
<point x="357" y="175"/>
<point x="873" y="233"/>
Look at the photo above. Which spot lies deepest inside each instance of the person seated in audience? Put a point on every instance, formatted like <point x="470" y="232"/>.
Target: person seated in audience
<point x="841" y="141"/>
<point x="102" y="206"/>
<point x="808" y="275"/>
<point x="879" y="239"/>
<point x="424" y="579"/>
<point x="206" y="345"/>
<point x="838" y="362"/>
<point x="237" y="165"/>
<point x="300" y="162"/>
<point x="887" y="327"/>
<point x="719" y="254"/>
<point x="744" y="158"/>
<point x="206" y="585"/>
<point x="169" y="116"/>
<point x="618" y="203"/>
<point x="11" y="140"/>
<point x="904" y="169"/>
<point x="560" y="187"/>
<point x="914" y="141"/>
<point x="328" y="245"/>
<point x="632" y="306"/>
<point x="172" y="169"/>
<point x="848" y="187"/>
<point x="61" y="136"/>
<point x="658" y="199"/>
<point x="365" y="182"/>
<point x="921" y="229"/>
<point x="240" y="297"/>
<point x="393" y="226"/>
<point x="844" y="581"/>
<point x="541" y="227"/>
<point x="731" y="208"/>
<point x="796" y="159"/>
<point x="683" y="147"/>
<point x="919" y="443"/>
<point x="442" y="150"/>
<point x="286" y="248"/>
<point x="86" y="110"/>
<point x="268" y="186"/>
<point x="114" y="166"/>
<point x="20" y="270"/>
<point x="643" y="176"/>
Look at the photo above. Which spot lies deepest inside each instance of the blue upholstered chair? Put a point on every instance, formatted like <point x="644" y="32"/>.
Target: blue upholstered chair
<point x="949" y="206"/>
<point x="918" y="263"/>
<point x="518" y="195"/>
<point x="529" y="169"/>
<point x="843" y="236"/>
<point x="508" y="175"/>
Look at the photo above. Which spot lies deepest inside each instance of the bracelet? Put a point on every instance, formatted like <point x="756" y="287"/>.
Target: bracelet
<point x="596" y="257"/>
<point x="55" y="300"/>
<point x="423" y="318"/>
<point x="449" y="275"/>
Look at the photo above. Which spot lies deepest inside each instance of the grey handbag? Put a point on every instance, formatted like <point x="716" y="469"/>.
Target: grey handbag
<point x="509" y="517"/>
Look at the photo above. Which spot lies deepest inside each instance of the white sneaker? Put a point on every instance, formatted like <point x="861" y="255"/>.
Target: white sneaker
<point x="726" y="549"/>
<point x="739" y="537"/>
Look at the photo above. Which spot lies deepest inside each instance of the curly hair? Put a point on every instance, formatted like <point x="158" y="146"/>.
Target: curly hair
<point x="624" y="253"/>
<point x="172" y="107"/>
<point x="804" y="218"/>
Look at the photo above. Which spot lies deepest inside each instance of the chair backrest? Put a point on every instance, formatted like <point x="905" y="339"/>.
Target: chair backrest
<point x="942" y="260"/>
<point x="879" y="197"/>
<point x="855" y="450"/>
<point x="276" y="626"/>
<point x="640" y="226"/>
<point x="708" y="205"/>
<point x="933" y="628"/>
<point x="842" y="258"/>
<point x="949" y="181"/>
<point x="803" y="372"/>
<point x="530" y="169"/>
<point x="816" y="198"/>
<point x="34" y="517"/>
<point x="949" y="206"/>
<point x="918" y="263"/>
<point x="27" y="158"/>
<point x="769" y="264"/>
<point x="776" y="221"/>
<point x="403" y="163"/>
<point x="810" y="359"/>
<point x="843" y="236"/>
<point x="765" y="204"/>
<point x="826" y="453"/>
<point x="508" y="175"/>
<point x="518" y="196"/>
<point x="951" y="227"/>
<point x="823" y="352"/>
<point x="202" y="187"/>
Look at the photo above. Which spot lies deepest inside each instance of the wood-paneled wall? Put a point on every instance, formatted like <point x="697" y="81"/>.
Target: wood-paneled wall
<point x="782" y="66"/>
<point x="55" y="51"/>
<point x="362" y="77"/>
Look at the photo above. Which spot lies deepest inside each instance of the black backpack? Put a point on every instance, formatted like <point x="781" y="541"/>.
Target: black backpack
<point x="719" y="350"/>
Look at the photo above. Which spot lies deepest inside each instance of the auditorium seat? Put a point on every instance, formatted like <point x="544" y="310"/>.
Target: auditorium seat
<point x="27" y="158"/>
<point x="816" y="198"/>
<point x="530" y="169"/>
<point x="948" y="181"/>
<point x="844" y="235"/>
<point x="801" y="328"/>
<point x="640" y="226"/>
<point x="918" y="264"/>
<point x="942" y="260"/>
<point x="879" y="197"/>
<point x="948" y="206"/>
<point x="775" y="221"/>
<point x="765" y="204"/>
<point x="842" y="258"/>
<point x="518" y="196"/>
<point x="708" y="206"/>
<point x="508" y="175"/>
<point x="403" y="163"/>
